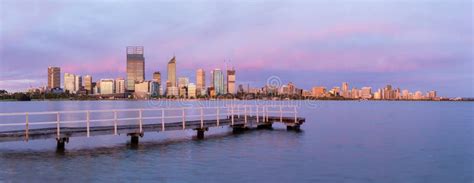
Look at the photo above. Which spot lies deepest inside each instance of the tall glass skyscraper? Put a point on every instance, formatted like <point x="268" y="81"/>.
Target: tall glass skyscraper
<point x="135" y="66"/>
<point x="218" y="80"/>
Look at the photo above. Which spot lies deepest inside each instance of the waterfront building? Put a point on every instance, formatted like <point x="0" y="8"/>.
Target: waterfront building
<point x="378" y="94"/>
<point x="69" y="82"/>
<point x="191" y="90"/>
<point x="307" y="93"/>
<point x="355" y="93"/>
<point x="336" y="91"/>
<point x="345" y="92"/>
<point x="387" y="93"/>
<point x="231" y="81"/>
<point x="183" y="86"/>
<point x="173" y="91"/>
<point x="135" y="66"/>
<point x="157" y="77"/>
<point x="432" y="95"/>
<point x="107" y="86"/>
<point x="77" y="83"/>
<point x="291" y="89"/>
<point x="96" y="87"/>
<point x="366" y="92"/>
<point x="155" y="89"/>
<point x="404" y="95"/>
<point x="218" y="81"/>
<point x="146" y="89"/>
<point x="54" y="77"/>
<point x="318" y="91"/>
<point x="284" y="90"/>
<point x="418" y="95"/>
<point x="120" y="85"/>
<point x="172" y="72"/>
<point x="88" y="84"/>
<point x="200" y="81"/>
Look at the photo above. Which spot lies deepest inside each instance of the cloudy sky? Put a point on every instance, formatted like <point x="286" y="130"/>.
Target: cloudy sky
<point x="417" y="45"/>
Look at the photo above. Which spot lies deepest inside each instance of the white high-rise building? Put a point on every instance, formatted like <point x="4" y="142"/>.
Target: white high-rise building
<point x="69" y="82"/>
<point x="107" y="86"/>
<point x="120" y="85"/>
<point x="191" y="90"/>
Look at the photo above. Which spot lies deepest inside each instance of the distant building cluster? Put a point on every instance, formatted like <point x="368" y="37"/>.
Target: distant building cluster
<point x="135" y="84"/>
<point x="221" y="83"/>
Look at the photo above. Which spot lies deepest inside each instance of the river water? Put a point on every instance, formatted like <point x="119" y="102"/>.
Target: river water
<point x="341" y="141"/>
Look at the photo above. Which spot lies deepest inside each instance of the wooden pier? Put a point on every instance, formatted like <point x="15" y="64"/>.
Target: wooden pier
<point x="135" y="122"/>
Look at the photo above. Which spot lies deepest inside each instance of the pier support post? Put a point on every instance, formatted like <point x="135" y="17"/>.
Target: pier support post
<point x="134" y="138"/>
<point x="236" y="129"/>
<point x="267" y="126"/>
<point x="61" y="143"/>
<point x="200" y="132"/>
<point x="293" y="128"/>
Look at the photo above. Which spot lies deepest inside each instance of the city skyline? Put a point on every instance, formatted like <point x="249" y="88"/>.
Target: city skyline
<point x="432" y="52"/>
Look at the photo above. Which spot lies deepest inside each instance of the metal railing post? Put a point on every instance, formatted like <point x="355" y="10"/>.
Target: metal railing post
<point x="281" y="113"/>
<point x="257" y="113"/>
<point x="266" y="112"/>
<point x="202" y="118"/>
<point x="296" y="113"/>
<point x="217" y="116"/>
<point x="88" y="124"/>
<point x="245" y="113"/>
<point x="58" y="133"/>
<point x="232" y="112"/>
<point x="26" y="127"/>
<point x="140" y="121"/>
<point x="115" y="122"/>
<point x="162" y="119"/>
<point x="184" y="120"/>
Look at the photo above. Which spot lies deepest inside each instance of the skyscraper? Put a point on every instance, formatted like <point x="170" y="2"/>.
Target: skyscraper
<point x="231" y="81"/>
<point x="77" y="83"/>
<point x="157" y="77"/>
<point x="200" y="79"/>
<point x="69" y="82"/>
<point x="88" y="84"/>
<point x="135" y="66"/>
<point x="218" y="81"/>
<point x="54" y="77"/>
<point x="345" y="92"/>
<point x="172" y="71"/>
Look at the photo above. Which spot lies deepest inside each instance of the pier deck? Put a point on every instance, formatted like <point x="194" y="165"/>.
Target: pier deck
<point x="238" y="117"/>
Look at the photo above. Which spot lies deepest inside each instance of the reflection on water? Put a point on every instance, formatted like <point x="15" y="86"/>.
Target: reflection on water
<point x="340" y="142"/>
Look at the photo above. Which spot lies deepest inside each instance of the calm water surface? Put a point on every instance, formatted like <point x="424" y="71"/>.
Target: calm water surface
<point x="341" y="141"/>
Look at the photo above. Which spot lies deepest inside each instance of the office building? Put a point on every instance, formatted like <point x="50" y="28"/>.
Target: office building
<point x="218" y="81"/>
<point x="88" y="84"/>
<point x="69" y="82"/>
<point x="157" y="77"/>
<point x="78" y="83"/>
<point x="191" y="90"/>
<point x="135" y="66"/>
<point x="172" y="71"/>
<point x="107" y="86"/>
<point x="200" y="81"/>
<point x="366" y="93"/>
<point x="54" y="77"/>
<point x="231" y="81"/>
<point x="120" y="85"/>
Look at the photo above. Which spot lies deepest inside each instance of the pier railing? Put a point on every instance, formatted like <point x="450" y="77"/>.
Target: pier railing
<point x="26" y="121"/>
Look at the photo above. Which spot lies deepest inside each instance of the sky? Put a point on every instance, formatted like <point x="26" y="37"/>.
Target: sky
<point x="411" y="44"/>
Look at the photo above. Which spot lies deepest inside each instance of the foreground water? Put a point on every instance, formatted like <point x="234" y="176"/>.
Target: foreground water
<point x="341" y="141"/>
